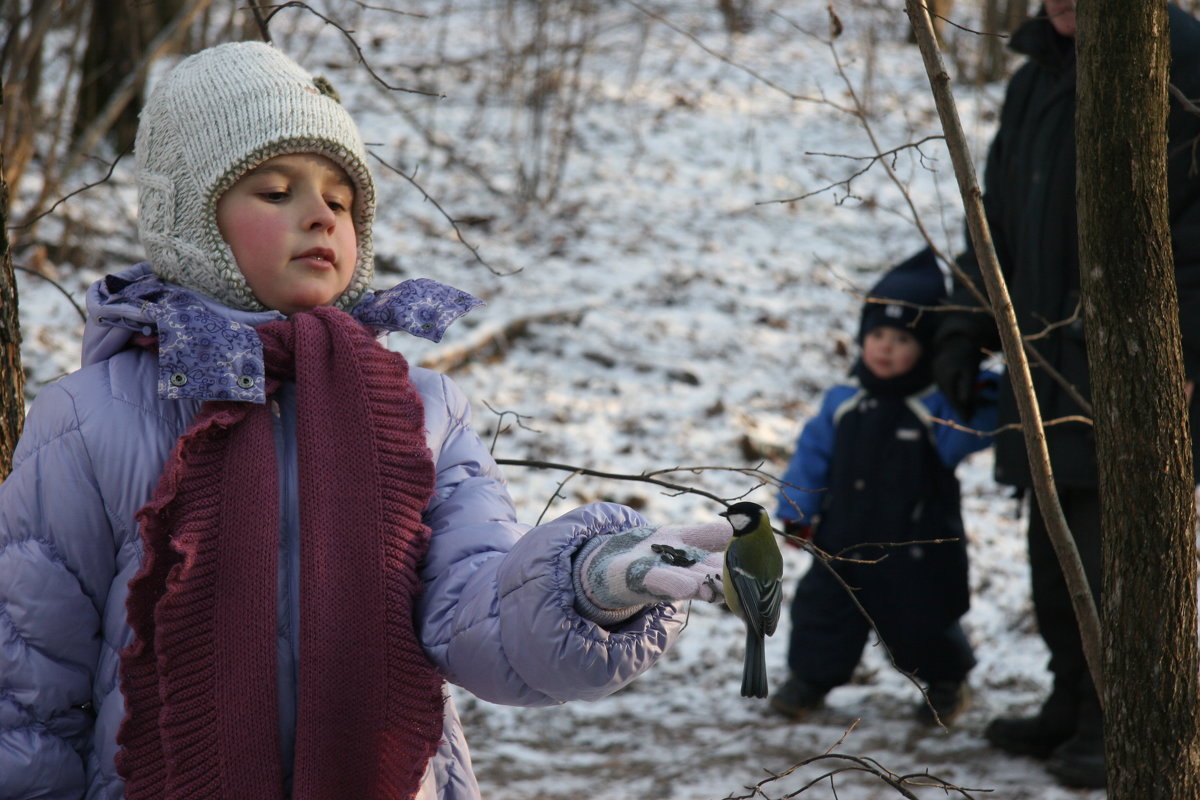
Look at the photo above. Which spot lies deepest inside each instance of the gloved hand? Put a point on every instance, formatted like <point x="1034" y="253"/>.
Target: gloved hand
<point x="618" y="574"/>
<point x="956" y="368"/>
<point x="795" y="530"/>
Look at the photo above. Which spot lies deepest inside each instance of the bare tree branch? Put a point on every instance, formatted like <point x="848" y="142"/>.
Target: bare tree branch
<point x="260" y="20"/>
<point x="1014" y="347"/>
<point x="453" y="222"/>
<point x="78" y="309"/>
<point x="111" y="167"/>
<point x="860" y="113"/>
<point x="735" y="64"/>
<point x="500" y="423"/>
<point x="167" y="38"/>
<point x="644" y="477"/>
<point x="349" y="35"/>
<point x="901" y="784"/>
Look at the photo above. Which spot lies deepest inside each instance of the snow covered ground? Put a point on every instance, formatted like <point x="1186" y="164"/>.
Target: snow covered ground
<point x="675" y="314"/>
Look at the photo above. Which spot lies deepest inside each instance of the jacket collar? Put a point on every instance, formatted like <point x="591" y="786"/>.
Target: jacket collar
<point x="208" y="351"/>
<point x="1037" y="39"/>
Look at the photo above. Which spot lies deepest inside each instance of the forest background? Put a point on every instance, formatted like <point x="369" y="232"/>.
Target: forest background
<point x="673" y="210"/>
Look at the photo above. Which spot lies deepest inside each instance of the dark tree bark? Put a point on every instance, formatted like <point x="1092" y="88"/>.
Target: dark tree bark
<point x="12" y="377"/>
<point x="116" y="39"/>
<point x="21" y="66"/>
<point x="1142" y="437"/>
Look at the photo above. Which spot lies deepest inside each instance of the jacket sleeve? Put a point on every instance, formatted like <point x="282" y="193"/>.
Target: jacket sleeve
<point x="56" y="547"/>
<point x="807" y="476"/>
<point x="497" y="615"/>
<point x="954" y="444"/>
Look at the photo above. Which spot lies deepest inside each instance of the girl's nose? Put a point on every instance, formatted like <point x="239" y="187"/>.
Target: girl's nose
<point x="319" y="214"/>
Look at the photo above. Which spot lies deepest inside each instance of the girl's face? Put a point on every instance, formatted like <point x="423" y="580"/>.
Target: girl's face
<point x="889" y="352"/>
<point x="289" y="226"/>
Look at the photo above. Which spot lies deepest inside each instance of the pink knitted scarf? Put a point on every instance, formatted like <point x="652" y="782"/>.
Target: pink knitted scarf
<point x="200" y="677"/>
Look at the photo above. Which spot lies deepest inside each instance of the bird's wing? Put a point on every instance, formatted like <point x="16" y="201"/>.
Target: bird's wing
<point x="772" y="600"/>
<point x="760" y="600"/>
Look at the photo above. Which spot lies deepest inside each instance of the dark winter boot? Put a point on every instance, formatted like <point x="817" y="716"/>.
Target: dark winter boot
<point x="1079" y="761"/>
<point x="797" y="697"/>
<point x="1039" y="735"/>
<point x="947" y="698"/>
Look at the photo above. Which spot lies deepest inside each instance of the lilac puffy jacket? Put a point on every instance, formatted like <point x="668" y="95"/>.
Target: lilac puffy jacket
<point x="497" y="614"/>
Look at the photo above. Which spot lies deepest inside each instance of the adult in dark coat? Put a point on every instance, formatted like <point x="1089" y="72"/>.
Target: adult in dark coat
<point x="1029" y="197"/>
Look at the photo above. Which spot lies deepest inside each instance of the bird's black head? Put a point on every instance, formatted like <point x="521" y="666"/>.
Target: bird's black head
<point x="744" y="517"/>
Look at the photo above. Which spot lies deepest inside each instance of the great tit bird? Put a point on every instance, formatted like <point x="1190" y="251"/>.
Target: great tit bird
<point x="753" y="582"/>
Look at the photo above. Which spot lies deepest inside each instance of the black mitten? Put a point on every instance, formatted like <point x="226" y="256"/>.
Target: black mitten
<point x="955" y="368"/>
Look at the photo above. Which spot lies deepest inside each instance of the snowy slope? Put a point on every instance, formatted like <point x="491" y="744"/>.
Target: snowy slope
<point x="679" y="317"/>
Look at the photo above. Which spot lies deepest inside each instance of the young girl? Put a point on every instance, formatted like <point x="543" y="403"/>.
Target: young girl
<point x="874" y="467"/>
<point x="243" y="548"/>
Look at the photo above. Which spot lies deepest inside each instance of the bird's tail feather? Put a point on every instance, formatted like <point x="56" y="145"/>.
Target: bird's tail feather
<point x="754" y="667"/>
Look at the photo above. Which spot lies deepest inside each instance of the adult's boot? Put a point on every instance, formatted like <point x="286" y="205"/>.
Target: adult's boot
<point x="1079" y="761"/>
<point x="1039" y="735"/>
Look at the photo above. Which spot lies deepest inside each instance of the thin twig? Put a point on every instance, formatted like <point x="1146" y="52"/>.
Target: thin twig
<point x="1050" y="423"/>
<point x="260" y="20"/>
<point x="500" y="423"/>
<point x="617" y="476"/>
<point x="557" y="495"/>
<point x="362" y="58"/>
<point x="848" y="763"/>
<point x="111" y="167"/>
<point x="736" y="64"/>
<point x="56" y="285"/>
<point x="453" y="222"/>
<point x="387" y="10"/>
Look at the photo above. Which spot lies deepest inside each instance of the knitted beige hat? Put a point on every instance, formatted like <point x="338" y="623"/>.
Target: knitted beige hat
<point x="213" y="117"/>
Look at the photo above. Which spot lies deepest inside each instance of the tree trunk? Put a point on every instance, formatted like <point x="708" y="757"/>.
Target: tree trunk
<point x="117" y="34"/>
<point x="1142" y="437"/>
<point x="21" y="66"/>
<point x="12" y="377"/>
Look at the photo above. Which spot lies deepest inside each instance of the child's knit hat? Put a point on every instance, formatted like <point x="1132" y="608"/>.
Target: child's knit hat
<point x="213" y="117"/>
<point x="916" y="285"/>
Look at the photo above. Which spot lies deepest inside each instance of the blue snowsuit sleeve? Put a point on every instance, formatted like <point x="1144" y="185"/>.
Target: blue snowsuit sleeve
<point x="807" y="476"/>
<point x="953" y="444"/>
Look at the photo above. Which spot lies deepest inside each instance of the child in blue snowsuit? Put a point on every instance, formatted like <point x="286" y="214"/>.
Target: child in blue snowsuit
<point x="874" y="467"/>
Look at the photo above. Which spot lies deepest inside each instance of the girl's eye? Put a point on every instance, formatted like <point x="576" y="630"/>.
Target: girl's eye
<point x="274" y="196"/>
<point x="337" y="205"/>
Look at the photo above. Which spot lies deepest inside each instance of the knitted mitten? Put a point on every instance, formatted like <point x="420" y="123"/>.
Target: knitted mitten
<point x="618" y="574"/>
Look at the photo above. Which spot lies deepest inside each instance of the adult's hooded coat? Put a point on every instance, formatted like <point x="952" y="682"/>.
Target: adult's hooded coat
<point x="1029" y="197"/>
<point x="496" y="616"/>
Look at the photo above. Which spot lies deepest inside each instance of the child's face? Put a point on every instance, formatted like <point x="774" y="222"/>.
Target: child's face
<point x="288" y="223"/>
<point x="889" y="352"/>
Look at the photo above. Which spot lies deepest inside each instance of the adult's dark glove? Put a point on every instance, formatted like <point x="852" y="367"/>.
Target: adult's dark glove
<point x="956" y="368"/>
